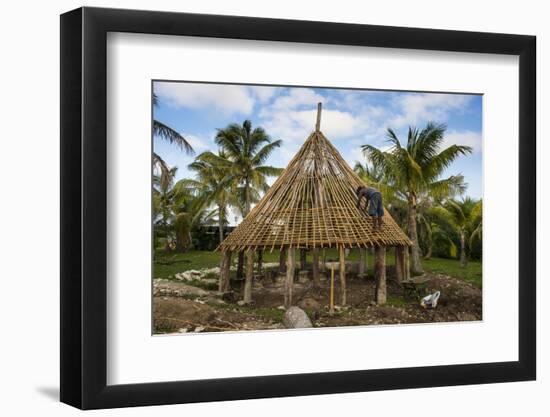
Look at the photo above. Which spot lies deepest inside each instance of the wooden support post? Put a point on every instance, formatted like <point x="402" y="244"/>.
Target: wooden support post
<point x="343" y="275"/>
<point x="406" y="262"/>
<point x="225" y="266"/>
<point x="289" y="282"/>
<point x="331" y="305"/>
<point x="247" y="298"/>
<point x="323" y="260"/>
<point x="316" y="278"/>
<point x="362" y="256"/>
<point x="380" y="275"/>
<point x="399" y="264"/>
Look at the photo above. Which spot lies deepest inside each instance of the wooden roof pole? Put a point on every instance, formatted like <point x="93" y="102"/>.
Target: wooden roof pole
<point x="318" y="124"/>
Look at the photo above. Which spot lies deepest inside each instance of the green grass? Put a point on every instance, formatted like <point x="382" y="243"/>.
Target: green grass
<point x="396" y="301"/>
<point x="472" y="273"/>
<point x="166" y="265"/>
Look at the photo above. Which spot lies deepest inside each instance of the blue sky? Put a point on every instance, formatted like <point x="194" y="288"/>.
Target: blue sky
<point x="350" y="118"/>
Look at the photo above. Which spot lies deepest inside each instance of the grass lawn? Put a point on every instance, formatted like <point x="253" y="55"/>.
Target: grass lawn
<point x="472" y="273"/>
<point x="168" y="264"/>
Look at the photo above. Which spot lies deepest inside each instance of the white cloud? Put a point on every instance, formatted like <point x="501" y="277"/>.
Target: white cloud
<point x="226" y="98"/>
<point x="296" y="125"/>
<point x="466" y="138"/>
<point x="264" y="93"/>
<point x="297" y="97"/>
<point x="418" y="108"/>
<point x="199" y="144"/>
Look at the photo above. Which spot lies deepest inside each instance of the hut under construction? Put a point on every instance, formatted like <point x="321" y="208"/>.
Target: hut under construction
<point x="311" y="206"/>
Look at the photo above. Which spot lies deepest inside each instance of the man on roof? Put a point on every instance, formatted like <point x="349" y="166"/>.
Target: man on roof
<point x="373" y="201"/>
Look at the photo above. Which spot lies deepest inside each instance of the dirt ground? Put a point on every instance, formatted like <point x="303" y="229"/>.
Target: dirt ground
<point x="179" y="307"/>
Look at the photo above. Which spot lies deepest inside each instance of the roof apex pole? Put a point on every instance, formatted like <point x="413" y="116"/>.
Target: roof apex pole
<point x="318" y="124"/>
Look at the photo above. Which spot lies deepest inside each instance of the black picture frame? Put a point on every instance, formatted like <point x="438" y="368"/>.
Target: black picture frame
<point x="84" y="207"/>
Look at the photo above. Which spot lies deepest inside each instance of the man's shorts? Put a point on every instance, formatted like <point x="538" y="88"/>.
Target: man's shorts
<point x="375" y="205"/>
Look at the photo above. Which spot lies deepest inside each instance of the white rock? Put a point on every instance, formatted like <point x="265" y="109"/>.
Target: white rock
<point x="296" y="318"/>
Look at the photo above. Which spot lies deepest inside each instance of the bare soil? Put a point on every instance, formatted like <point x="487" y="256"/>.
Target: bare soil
<point x="179" y="307"/>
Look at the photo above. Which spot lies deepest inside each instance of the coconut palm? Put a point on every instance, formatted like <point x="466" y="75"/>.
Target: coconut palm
<point x="176" y="209"/>
<point x="434" y="225"/>
<point x="163" y="214"/>
<point x="167" y="133"/>
<point x="214" y="184"/>
<point x="374" y="176"/>
<point x="416" y="170"/>
<point x="466" y="216"/>
<point x="248" y="149"/>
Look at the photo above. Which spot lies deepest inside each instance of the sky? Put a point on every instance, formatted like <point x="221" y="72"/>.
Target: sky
<point x="350" y="118"/>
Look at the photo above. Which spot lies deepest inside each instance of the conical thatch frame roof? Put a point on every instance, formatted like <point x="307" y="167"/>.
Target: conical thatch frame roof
<point x="313" y="205"/>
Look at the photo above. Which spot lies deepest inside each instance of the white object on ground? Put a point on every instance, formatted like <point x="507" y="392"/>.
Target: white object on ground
<point x="430" y="301"/>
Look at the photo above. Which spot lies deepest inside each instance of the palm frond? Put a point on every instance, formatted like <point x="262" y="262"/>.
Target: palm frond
<point x="166" y="132"/>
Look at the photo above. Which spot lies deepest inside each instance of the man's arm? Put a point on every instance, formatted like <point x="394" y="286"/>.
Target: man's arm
<point x="362" y="195"/>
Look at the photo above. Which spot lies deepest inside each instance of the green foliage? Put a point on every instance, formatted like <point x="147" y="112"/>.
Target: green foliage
<point x="169" y="134"/>
<point x="246" y="150"/>
<point x="410" y="176"/>
<point x="416" y="168"/>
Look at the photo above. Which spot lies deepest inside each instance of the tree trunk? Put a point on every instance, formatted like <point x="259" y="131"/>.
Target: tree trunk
<point x="220" y="223"/>
<point x="380" y="275"/>
<point x="260" y="260"/>
<point x="303" y="259"/>
<point x="316" y="279"/>
<point x="416" y="266"/>
<point x="282" y="260"/>
<point x="289" y="282"/>
<point x="225" y="266"/>
<point x="406" y="263"/>
<point x="247" y="298"/>
<point x="463" y="259"/>
<point x="429" y="252"/>
<point x="343" y="275"/>
<point x="362" y="256"/>
<point x="240" y="265"/>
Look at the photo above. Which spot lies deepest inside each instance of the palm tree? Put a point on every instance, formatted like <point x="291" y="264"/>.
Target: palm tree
<point x="248" y="149"/>
<point x="175" y="210"/>
<point x="214" y="184"/>
<point x="167" y="133"/>
<point x="163" y="205"/>
<point x="466" y="216"/>
<point x="434" y="224"/>
<point x="374" y="176"/>
<point x="415" y="169"/>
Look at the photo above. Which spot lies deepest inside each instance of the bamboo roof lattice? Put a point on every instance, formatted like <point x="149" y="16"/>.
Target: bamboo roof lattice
<point x="313" y="204"/>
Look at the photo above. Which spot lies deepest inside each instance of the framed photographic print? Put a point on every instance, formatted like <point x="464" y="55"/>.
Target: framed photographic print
<point x="258" y="207"/>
